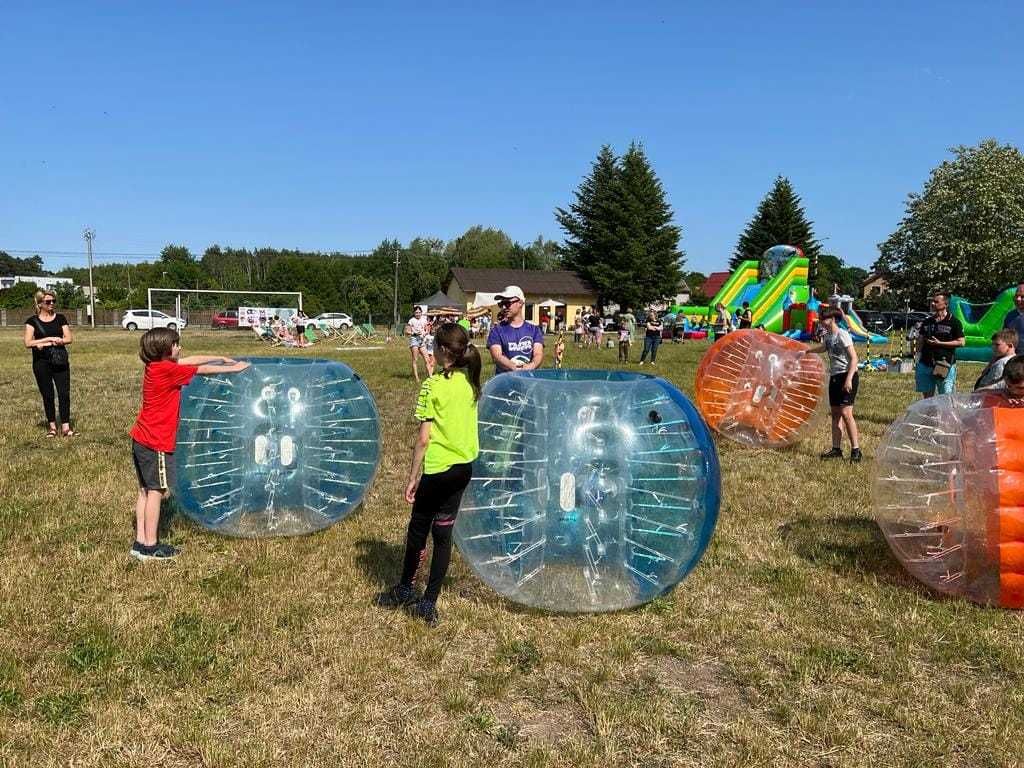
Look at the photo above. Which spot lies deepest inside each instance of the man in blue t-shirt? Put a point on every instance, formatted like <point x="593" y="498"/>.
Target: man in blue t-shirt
<point x="515" y="344"/>
<point x="1015" y="317"/>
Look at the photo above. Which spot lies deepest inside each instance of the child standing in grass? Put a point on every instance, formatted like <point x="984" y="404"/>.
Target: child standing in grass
<point x="445" y="448"/>
<point x="155" y="430"/>
<point x="842" y="384"/>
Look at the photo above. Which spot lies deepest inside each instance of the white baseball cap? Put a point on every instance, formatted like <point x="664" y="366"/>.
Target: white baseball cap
<point x="511" y="292"/>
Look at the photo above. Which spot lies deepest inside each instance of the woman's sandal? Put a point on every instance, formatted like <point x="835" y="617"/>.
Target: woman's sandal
<point x="52" y="432"/>
<point x="68" y="432"/>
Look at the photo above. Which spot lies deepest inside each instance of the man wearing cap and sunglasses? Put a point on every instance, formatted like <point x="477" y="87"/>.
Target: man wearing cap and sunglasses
<point x="515" y="344"/>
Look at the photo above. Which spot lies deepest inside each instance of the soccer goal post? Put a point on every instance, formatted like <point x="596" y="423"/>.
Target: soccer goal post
<point x="252" y="307"/>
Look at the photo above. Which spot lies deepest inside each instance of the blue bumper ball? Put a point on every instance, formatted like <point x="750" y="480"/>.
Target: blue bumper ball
<point x="286" y="447"/>
<point x="594" y="490"/>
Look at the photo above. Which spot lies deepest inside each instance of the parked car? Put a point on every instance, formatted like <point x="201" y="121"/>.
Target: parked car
<point x="134" y="319"/>
<point x="333" y="319"/>
<point x="227" y="318"/>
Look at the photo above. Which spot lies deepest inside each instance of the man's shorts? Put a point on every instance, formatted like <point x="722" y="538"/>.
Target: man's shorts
<point x="927" y="383"/>
<point x="837" y="398"/>
<point x="154" y="469"/>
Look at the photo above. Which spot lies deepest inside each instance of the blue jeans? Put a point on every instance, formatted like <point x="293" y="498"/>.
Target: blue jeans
<point x="650" y="345"/>
<point x="928" y="384"/>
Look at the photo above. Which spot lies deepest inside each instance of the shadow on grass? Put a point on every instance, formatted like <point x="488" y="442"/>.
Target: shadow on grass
<point x="381" y="561"/>
<point x="848" y="545"/>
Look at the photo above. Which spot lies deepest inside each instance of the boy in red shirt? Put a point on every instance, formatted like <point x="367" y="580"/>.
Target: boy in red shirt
<point x="155" y="431"/>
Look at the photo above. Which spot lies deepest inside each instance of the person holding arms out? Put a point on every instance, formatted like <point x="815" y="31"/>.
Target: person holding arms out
<point x="154" y="435"/>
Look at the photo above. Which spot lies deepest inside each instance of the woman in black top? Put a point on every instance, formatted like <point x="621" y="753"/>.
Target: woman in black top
<point x="47" y="334"/>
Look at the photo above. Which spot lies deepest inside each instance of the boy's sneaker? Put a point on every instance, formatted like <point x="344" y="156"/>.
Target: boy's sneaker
<point x="155" y="552"/>
<point x="856" y="455"/>
<point x="835" y="453"/>
<point x="398" y="596"/>
<point x="423" y="609"/>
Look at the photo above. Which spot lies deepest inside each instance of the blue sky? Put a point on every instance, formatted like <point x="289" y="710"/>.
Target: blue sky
<point x="334" y="125"/>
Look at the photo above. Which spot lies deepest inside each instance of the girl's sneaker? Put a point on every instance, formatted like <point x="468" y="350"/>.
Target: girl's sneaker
<point x="155" y="552"/>
<point x="425" y="610"/>
<point x="399" y="596"/>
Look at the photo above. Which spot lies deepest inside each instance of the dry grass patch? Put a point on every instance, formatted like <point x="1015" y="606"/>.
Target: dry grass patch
<point x="796" y="641"/>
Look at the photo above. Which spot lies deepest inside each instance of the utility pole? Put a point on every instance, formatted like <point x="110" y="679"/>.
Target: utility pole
<point x="398" y="252"/>
<point x="89" y="235"/>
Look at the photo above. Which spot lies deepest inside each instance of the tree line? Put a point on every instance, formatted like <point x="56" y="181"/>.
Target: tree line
<point x="963" y="232"/>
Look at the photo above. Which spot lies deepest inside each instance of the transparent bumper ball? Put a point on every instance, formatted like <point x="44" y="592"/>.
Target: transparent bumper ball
<point x="594" y="490"/>
<point x="949" y="496"/>
<point x="760" y="389"/>
<point x="285" y="447"/>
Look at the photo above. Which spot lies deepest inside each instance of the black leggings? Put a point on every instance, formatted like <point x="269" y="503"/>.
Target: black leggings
<point x="47" y="378"/>
<point x="437" y="503"/>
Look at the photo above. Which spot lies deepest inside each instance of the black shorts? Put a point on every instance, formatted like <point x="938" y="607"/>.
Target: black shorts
<point x="154" y="469"/>
<point x="837" y="398"/>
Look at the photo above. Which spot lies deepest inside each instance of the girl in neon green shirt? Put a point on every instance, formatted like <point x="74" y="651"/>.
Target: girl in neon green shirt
<point x="445" y="448"/>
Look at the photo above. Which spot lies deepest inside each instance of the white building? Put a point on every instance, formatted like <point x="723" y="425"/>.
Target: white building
<point x="46" y="282"/>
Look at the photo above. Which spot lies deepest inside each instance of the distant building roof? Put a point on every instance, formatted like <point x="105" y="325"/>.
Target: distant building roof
<point x="714" y="284"/>
<point x="533" y="281"/>
<point x="439" y="300"/>
<point x="872" y="277"/>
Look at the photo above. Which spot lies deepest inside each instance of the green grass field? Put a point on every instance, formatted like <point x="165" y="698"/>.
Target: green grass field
<point x="798" y="640"/>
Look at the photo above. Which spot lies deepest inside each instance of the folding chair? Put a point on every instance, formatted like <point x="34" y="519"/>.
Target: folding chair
<point x="349" y="337"/>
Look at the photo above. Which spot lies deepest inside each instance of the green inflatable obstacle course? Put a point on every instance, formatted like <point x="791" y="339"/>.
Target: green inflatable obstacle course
<point x="980" y="321"/>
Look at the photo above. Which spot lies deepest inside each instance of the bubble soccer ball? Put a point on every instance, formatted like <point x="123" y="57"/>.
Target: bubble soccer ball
<point x="288" y="446"/>
<point x="759" y="388"/>
<point x="594" y="490"/>
<point x="949" y="496"/>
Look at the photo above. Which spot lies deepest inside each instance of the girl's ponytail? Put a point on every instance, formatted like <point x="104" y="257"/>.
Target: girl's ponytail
<point x="460" y="353"/>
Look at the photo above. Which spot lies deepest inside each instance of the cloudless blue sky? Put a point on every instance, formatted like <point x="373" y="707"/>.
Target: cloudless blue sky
<point x="332" y="125"/>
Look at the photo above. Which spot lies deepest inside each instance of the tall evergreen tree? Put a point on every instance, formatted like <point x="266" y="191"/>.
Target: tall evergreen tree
<point x="780" y="220"/>
<point x="619" y="231"/>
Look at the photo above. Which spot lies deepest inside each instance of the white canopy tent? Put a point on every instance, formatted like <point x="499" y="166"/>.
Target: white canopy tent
<point x="551" y="304"/>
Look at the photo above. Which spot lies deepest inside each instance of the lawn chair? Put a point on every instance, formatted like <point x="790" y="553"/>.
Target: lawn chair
<point x="367" y="332"/>
<point x="349" y="337"/>
<point x="265" y="335"/>
<point x="310" y="335"/>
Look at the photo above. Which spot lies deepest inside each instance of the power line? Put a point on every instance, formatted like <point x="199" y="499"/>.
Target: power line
<point x="77" y="253"/>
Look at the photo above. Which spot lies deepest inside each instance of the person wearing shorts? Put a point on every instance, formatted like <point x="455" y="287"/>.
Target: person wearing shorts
<point x="843" y="382"/>
<point x="940" y="336"/>
<point x="416" y="330"/>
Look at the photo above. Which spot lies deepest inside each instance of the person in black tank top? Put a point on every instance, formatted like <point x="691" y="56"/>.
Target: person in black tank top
<point x="48" y="334"/>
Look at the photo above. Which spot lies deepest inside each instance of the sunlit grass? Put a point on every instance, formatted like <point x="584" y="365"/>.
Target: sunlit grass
<point x="796" y="641"/>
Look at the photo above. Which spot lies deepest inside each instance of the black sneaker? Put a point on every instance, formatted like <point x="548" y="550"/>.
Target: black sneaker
<point x="425" y="610"/>
<point x="856" y="455"/>
<point x="164" y="552"/>
<point x="398" y="596"/>
<point x="835" y="453"/>
<point x="141" y="551"/>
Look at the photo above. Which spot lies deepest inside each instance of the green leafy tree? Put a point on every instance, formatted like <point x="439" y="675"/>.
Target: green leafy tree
<point x="779" y="220"/>
<point x="480" y="248"/>
<point x="834" y="274"/>
<point x="19" y="296"/>
<point x="619" y="231"/>
<point x="964" y="232"/>
<point x="28" y="267"/>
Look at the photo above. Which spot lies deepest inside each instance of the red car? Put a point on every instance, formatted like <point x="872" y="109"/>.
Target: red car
<point x="226" y="319"/>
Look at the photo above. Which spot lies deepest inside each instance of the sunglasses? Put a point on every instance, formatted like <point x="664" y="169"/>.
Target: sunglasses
<point x="48" y="301"/>
<point x="507" y="302"/>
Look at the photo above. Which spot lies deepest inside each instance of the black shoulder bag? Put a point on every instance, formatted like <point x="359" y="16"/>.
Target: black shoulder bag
<point x="56" y="356"/>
